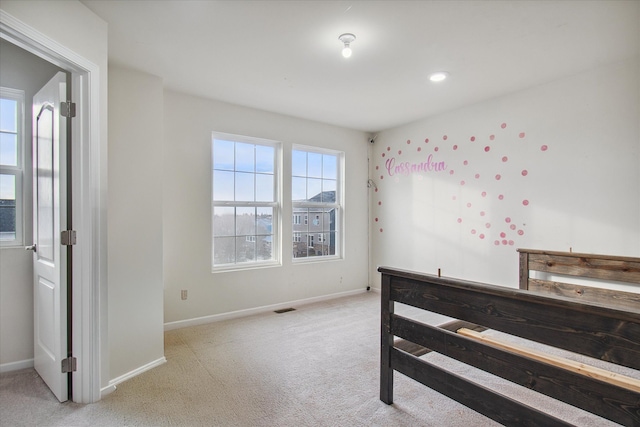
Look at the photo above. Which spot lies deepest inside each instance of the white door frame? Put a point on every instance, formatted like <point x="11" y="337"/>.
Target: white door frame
<point x="86" y="204"/>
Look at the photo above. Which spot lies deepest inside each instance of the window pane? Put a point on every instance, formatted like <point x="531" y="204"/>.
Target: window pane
<point x="314" y="165"/>
<point x="298" y="189"/>
<point x="298" y="163"/>
<point x="223" y="186"/>
<point x="264" y="223"/>
<point x="245" y="221"/>
<point x="265" y="188"/>
<point x="7" y="207"/>
<point x="245" y="249"/>
<point x="223" y="221"/>
<point x="265" y="157"/>
<point x="224" y="250"/>
<point x="8" y="149"/>
<point x="244" y="187"/>
<point x="245" y="157"/>
<point x="329" y="166"/>
<point x="314" y="188"/>
<point x="223" y="154"/>
<point x="8" y="115"/>
<point x="328" y="191"/>
<point x="329" y="220"/>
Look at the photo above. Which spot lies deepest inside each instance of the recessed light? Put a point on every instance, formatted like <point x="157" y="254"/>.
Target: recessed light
<point x="439" y="76"/>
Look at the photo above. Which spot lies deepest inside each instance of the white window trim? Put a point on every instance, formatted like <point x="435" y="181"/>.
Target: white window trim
<point x="338" y="206"/>
<point x="17" y="171"/>
<point x="276" y="205"/>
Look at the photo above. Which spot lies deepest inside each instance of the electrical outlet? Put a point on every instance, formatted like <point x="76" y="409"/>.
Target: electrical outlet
<point x="183" y="294"/>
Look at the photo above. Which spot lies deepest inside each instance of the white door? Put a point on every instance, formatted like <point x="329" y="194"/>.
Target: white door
<point x="49" y="214"/>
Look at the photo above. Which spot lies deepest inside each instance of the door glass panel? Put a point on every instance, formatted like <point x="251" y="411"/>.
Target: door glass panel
<point x="44" y="182"/>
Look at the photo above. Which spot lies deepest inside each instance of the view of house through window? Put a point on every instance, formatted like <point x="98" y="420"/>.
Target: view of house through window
<point x="246" y="201"/>
<point x="315" y="183"/>
<point x="11" y="106"/>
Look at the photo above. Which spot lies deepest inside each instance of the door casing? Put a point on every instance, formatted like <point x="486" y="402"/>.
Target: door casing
<point x="89" y="269"/>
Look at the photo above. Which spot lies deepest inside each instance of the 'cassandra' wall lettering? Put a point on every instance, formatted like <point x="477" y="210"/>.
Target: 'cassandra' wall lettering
<point x="406" y="168"/>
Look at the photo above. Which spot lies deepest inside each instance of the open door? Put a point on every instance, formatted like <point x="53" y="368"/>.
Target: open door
<point x="49" y="220"/>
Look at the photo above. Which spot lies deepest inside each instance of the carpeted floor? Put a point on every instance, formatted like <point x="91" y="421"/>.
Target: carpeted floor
<point x="315" y="366"/>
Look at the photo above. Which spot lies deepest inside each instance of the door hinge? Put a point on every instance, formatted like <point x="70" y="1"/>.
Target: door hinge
<point x="69" y="365"/>
<point x="68" y="237"/>
<point x="68" y="109"/>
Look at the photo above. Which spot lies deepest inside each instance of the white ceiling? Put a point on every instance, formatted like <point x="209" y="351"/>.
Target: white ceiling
<point x="284" y="56"/>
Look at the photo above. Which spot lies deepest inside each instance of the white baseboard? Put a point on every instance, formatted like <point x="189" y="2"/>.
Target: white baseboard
<point x="16" y="366"/>
<point x="114" y="382"/>
<point x="257" y="310"/>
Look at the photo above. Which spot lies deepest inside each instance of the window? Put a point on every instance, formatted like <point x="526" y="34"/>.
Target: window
<point x="11" y="166"/>
<point x="246" y="202"/>
<point x="315" y="188"/>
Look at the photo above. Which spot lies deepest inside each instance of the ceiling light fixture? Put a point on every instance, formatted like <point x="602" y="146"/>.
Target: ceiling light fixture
<point x="439" y="76"/>
<point x="347" y="39"/>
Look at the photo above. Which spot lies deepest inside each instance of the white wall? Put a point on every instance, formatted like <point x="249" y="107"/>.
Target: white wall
<point x="22" y="70"/>
<point x="582" y="192"/>
<point x="189" y="122"/>
<point x="136" y="336"/>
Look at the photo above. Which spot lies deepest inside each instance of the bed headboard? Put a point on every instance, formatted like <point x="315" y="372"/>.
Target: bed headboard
<point x="593" y="266"/>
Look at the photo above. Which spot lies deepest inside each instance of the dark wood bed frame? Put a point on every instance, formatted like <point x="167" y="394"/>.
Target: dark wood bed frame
<point x="597" y="330"/>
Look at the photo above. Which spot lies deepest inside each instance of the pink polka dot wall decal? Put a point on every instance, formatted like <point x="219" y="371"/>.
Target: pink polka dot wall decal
<point x="451" y="172"/>
<point x="383" y="154"/>
<point x="544" y="148"/>
<point x="381" y="230"/>
<point x="379" y="203"/>
<point x="503" y="234"/>
<point x="504" y="242"/>
<point x="466" y="162"/>
<point x="496" y="242"/>
<point x="468" y="205"/>
<point x="455" y="147"/>
<point x="477" y="175"/>
<point x="376" y="190"/>
<point x="505" y="158"/>
<point x="498" y="177"/>
<point x="488" y="225"/>
<point x="426" y="140"/>
<point x="504" y="125"/>
<point x="481" y="236"/>
<point x="525" y="202"/>
<point x="483" y="194"/>
<point x="399" y="152"/>
<point x="473" y="138"/>
<point x="435" y="148"/>
<point x="444" y="137"/>
<point x="388" y="148"/>
<point x="482" y="213"/>
<point x="520" y="232"/>
<point x="462" y="182"/>
<point x="521" y="135"/>
<point x="510" y="242"/>
<point x="376" y="219"/>
<point x="419" y="149"/>
<point x="507" y="220"/>
<point x="454" y="197"/>
<point x="408" y="141"/>
<point x="501" y="197"/>
<point x="473" y="231"/>
<point x="512" y="226"/>
<point x="524" y="172"/>
<point x="381" y="176"/>
<point x="487" y="149"/>
<point x="459" y="220"/>
<point x="492" y="137"/>
<point x="377" y="167"/>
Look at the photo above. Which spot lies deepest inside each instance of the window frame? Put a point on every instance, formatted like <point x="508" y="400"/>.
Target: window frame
<point x="338" y="205"/>
<point x="18" y="170"/>
<point x="276" y="205"/>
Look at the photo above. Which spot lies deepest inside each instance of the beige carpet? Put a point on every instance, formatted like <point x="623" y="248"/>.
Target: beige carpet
<point x="315" y="366"/>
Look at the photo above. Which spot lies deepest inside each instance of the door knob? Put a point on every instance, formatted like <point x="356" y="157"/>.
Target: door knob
<point x="30" y="248"/>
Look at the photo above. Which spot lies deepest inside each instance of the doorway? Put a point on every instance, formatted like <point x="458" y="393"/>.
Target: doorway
<point x="87" y="208"/>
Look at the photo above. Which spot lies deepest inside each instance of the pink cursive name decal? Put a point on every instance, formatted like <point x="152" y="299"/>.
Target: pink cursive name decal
<point x="406" y="168"/>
